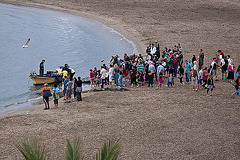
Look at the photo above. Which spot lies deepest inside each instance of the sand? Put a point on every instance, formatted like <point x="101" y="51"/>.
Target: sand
<point x="171" y="123"/>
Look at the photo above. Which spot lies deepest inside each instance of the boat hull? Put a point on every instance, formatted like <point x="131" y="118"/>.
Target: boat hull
<point x="40" y="80"/>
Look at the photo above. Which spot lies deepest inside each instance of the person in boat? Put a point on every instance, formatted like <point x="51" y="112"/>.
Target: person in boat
<point x="41" y="71"/>
<point x="71" y="73"/>
<point x="64" y="74"/>
<point x="66" y="68"/>
<point x="46" y="94"/>
<point x="56" y="74"/>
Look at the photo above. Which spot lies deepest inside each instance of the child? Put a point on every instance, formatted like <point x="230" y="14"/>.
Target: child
<point x="210" y="84"/>
<point x="170" y="80"/>
<point x="133" y="78"/>
<point x="150" y="79"/>
<point x="92" y="78"/>
<point x="137" y="79"/>
<point x="56" y="92"/>
<point x="160" y="80"/>
<point x="141" y="75"/>
<point x="181" y="74"/>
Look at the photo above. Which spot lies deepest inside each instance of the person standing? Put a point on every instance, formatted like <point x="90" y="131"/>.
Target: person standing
<point x="79" y="89"/>
<point x="41" y="71"/>
<point x="176" y="62"/>
<point x="65" y="86"/>
<point x="69" y="91"/>
<point x="92" y="77"/>
<point x="110" y="73"/>
<point x="56" y="92"/>
<point x="201" y="58"/>
<point x="187" y="71"/>
<point x="46" y="94"/>
<point x="116" y="74"/>
<point x="231" y="69"/>
<point x="103" y="76"/>
<point x="210" y="84"/>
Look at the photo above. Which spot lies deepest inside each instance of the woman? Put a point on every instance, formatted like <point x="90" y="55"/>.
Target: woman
<point x="210" y="84"/>
<point x="230" y="69"/>
<point x="116" y="74"/>
<point x="92" y="77"/>
<point x="187" y="71"/>
<point x="193" y="76"/>
<point x="46" y="94"/>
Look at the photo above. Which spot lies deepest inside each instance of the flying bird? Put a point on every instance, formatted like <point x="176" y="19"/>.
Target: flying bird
<point x="26" y="44"/>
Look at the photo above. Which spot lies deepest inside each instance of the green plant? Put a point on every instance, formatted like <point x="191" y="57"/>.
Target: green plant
<point x="74" y="150"/>
<point x="110" y="150"/>
<point x="32" y="150"/>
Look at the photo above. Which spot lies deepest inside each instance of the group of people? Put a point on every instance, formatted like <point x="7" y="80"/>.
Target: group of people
<point x="157" y="66"/>
<point x="69" y="84"/>
<point x="166" y="66"/>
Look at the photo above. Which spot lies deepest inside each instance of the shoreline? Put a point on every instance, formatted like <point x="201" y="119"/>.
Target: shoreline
<point x="101" y="20"/>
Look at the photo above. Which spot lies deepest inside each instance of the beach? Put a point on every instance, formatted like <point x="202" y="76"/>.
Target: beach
<point x="171" y="123"/>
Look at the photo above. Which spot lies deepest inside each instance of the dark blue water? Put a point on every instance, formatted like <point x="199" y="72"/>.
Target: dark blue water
<point x="58" y="38"/>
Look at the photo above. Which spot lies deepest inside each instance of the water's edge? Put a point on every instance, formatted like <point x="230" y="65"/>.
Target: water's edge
<point x="34" y="102"/>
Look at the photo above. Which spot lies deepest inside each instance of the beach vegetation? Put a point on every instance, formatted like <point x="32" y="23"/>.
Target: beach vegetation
<point x="110" y="150"/>
<point x="31" y="149"/>
<point x="74" y="150"/>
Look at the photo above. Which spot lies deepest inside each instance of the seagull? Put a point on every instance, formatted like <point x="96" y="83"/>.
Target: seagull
<point x="26" y="44"/>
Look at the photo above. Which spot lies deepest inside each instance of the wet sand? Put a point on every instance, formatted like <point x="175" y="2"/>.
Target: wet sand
<point x="171" y="123"/>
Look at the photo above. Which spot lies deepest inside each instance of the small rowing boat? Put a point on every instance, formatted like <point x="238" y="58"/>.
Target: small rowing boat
<point x="47" y="78"/>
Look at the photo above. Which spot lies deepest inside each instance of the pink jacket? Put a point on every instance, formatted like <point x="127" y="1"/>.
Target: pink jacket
<point x="231" y="68"/>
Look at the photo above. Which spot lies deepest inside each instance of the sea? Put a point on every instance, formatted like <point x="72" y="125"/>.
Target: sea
<point x="57" y="37"/>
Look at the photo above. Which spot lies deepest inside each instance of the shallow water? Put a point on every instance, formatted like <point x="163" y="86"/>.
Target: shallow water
<point x="58" y="38"/>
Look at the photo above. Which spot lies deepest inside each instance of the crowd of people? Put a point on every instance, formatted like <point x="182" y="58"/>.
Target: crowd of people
<point x="164" y="67"/>
<point x="69" y="85"/>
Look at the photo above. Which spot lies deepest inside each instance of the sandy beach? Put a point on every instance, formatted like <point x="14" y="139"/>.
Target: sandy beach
<point x="171" y="123"/>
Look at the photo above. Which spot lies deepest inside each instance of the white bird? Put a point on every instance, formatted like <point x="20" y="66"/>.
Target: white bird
<point x="26" y="44"/>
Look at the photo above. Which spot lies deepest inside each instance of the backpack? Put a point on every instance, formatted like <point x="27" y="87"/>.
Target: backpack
<point x="57" y="91"/>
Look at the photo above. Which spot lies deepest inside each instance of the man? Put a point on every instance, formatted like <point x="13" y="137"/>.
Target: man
<point x="160" y="68"/>
<point x="41" y="67"/>
<point x="214" y="68"/>
<point x="201" y="58"/>
<point x="103" y="76"/>
<point x="65" y="86"/>
<point x="180" y="57"/>
<point x="229" y="59"/>
<point x="69" y="91"/>
<point x="79" y="89"/>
